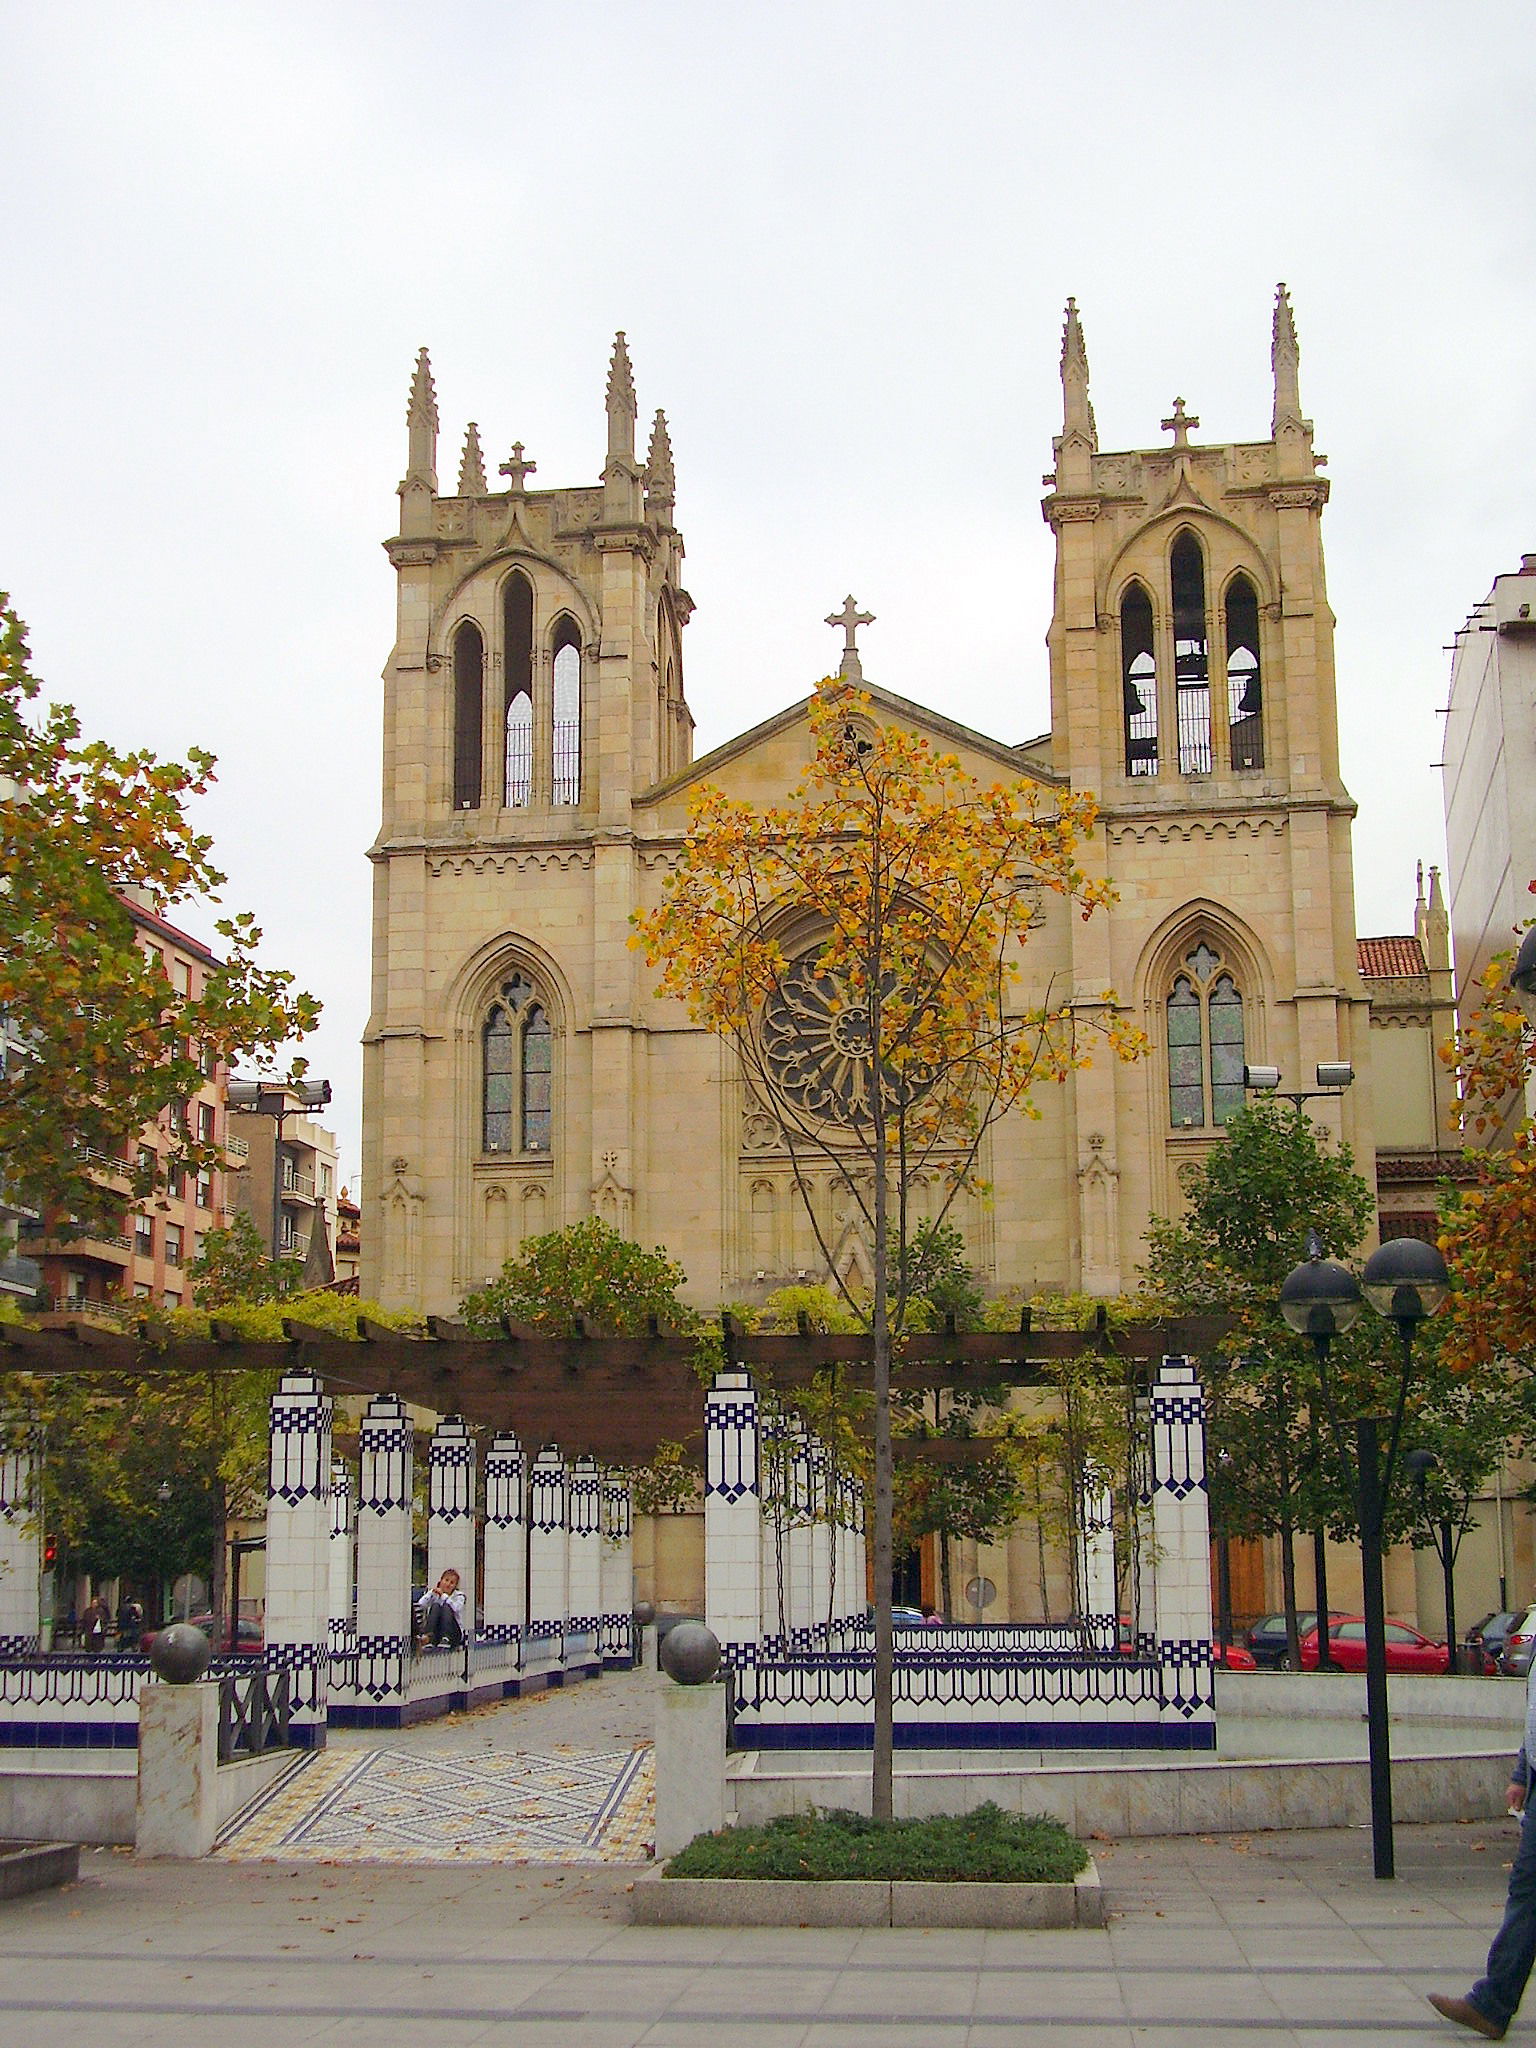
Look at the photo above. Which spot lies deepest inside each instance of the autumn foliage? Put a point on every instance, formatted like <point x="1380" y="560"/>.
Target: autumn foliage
<point x="112" y="1045"/>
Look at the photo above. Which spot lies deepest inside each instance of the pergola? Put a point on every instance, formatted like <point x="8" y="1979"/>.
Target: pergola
<point x="618" y="1399"/>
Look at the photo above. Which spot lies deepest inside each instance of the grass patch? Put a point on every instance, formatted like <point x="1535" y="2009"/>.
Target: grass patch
<point x="984" y="1847"/>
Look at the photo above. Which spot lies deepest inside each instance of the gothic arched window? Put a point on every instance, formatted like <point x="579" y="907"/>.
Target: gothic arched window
<point x="1205" y="1041"/>
<point x="1245" y="700"/>
<point x="567" y="733"/>
<point x="1138" y="678"/>
<point x="1191" y="656"/>
<point x="517" y="662"/>
<point x="517" y="1071"/>
<point x="468" y="695"/>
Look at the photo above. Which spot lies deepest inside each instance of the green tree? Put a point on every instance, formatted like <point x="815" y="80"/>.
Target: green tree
<point x="1281" y="1460"/>
<point x="114" y="1046"/>
<point x="235" y="1266"/>
<point x="586" y="1274"/>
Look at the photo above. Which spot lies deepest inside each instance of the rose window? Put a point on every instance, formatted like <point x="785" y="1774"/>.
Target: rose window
<point x="818" y="1045"/>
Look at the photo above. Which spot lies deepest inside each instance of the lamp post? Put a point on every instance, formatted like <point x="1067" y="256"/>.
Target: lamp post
<point x="1405" y="1281"/>
<point x="278" y="1100"/>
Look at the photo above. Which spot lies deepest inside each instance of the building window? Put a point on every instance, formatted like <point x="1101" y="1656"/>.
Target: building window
<point x="1138" y="679"/>
<point x="468" y="696"/>
<point x="1191" y="657"/>
<point x="567" y="733"/>
<point x="173" y="1244"/>
<point x="144" y="1236"/>
<point x="172" y="1298"/>
<point x="325" y="1183"/>
<point x="205" y="1121"/>
<point x="517" y="640"/>
<point x="1245" y="701"/>
<point x="203" y="1191"/>
<point x="1205" y="1042"/>
<point x="517" y="1062"/>
<point x="142" y="1290"/>
<point x="181" y="977"/>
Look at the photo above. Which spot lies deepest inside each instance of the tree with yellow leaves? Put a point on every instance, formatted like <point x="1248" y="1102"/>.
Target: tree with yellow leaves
<point x="1488" y="1227"/>
<point x="860" y="947"/>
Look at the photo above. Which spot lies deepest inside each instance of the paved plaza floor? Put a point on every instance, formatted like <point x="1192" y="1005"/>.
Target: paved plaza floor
<point x="1212" y="1940"/>
<point x="1272" y="1938"/>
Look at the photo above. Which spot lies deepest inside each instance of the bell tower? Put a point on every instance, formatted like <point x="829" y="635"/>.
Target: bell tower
<point x="1192" y="690"/>
<point x="535" y="688"/>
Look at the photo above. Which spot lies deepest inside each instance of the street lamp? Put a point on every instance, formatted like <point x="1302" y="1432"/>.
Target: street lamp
<point x="1333" y="1077"/>
<point x="277" y="1099"/>
<point x="1405" y="1281"/>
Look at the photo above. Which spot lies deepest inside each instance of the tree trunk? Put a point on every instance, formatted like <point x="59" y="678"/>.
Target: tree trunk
<point x="1320" y="1581"/>
<point x="946" y="1590"/>
<point x="217" y="1579"/>
<point x="1288" y="1593"/>
<point x="881" y="1802"/>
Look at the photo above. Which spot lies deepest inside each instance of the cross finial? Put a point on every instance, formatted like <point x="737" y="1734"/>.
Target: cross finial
<point x="516" y="468"/>
<point x="850" y="618"/>
<point x="1180" y="424"/>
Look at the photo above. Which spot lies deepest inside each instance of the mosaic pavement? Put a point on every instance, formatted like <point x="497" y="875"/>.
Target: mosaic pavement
<point x="558" y="1805"/>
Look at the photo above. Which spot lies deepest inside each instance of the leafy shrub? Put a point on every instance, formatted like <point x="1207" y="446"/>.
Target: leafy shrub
<point x="987" y="1846"/>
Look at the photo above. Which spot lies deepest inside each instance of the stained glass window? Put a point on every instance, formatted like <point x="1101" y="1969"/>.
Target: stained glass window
<point x="1206" y="1046"/>
<point x="517" y="1072"/>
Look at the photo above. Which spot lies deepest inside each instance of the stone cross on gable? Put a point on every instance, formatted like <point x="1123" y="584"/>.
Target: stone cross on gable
<point x="516" y="468"/>
<point x="850" y="618"/>
<point x="1180" y="424"/>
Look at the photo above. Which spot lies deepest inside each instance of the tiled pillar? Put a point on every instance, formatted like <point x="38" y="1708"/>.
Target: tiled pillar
<point x="20" y="1539"/>
<point x="616" y="1641"/>
<point x="1096" y="1568"/>
<point x="773" y="1524"/>
<point x="451" y="1501"/>
<point x="818" y="1476"/>
<point x="1181" y="1533"/>
<point x="386" y="1446"/>
<point x="298" y="1549"/>
<point x="797" y="1540"/>
<point x="506" y="1542"/>
<point x="734" y="1530"/>
<point x="584" y="1570"/>
<point x="1143" y="1563"/>
<point x="340" y="1567"/>
<point x="548" y="1588"/>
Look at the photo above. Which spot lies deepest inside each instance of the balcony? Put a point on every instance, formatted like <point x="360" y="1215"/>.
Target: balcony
<point x="297" y="1187"/>
<point x="237" y="1148"/>
<point x="88" y="1242"/>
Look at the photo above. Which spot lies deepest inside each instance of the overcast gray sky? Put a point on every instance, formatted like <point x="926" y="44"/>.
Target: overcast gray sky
<point x="840" y="238"/>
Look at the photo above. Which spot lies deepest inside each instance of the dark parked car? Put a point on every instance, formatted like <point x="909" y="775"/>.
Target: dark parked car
<point x="1266" y="1639"/>
<point x="248" y="1636"/>
<point x="1489" y="1634"/>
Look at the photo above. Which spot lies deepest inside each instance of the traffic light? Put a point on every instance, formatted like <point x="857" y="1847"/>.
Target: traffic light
<point x="50" y="1551"/>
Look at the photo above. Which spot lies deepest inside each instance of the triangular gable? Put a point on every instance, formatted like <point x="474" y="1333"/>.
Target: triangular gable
<point x="763" y="762"/>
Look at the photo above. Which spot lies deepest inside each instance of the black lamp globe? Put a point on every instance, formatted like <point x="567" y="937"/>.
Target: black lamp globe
<point x="1320" y="1298"/>
<point x="1406" y="1280"/>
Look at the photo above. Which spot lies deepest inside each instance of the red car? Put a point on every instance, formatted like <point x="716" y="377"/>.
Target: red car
<point x="1407" y="1649"/>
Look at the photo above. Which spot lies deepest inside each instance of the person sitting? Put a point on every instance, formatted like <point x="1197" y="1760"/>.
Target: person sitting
<point x="441" y="1613"/>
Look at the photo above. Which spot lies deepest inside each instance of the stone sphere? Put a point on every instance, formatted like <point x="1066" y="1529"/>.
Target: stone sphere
<point x="645" y="1613"/>
<point x="691" y="1653"/>
<point x="180" y="1653"/>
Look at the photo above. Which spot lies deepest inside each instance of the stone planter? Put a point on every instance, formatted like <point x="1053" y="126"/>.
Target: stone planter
<point x="34" y="1866"/>
<point x="661" y="1901"/>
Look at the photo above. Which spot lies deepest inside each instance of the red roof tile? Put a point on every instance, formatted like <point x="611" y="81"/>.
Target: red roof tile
<point x="1381" y="959"/>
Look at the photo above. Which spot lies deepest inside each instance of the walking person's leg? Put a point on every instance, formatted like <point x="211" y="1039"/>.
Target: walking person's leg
<point x="1495" y="1997"/>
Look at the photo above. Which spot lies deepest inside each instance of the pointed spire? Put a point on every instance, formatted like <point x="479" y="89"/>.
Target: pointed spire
<point x="422" y="411"/>
<point x="419" y="487"/>
<point x="660" y="478"/>
<point x="621" y="403"/>
<point x="1285" y="357"/>
<point x="1077" y="408"/>
<point x="472" y="465"/>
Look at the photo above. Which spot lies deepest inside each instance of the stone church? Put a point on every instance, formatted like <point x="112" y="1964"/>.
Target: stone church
<point x="520" y="1071"/>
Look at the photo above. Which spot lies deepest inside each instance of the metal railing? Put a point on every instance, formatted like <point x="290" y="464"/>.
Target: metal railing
<point x="255" y="1713"/>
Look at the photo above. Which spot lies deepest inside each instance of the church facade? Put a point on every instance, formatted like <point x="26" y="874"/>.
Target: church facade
<point x="521" y="1073"/>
